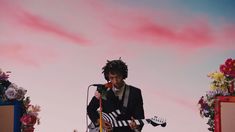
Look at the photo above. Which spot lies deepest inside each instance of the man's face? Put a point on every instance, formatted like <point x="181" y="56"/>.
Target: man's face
<point x="116" y="80"/>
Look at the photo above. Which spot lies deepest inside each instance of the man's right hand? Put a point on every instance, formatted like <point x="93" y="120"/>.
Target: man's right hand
<point x="105" y="125"/>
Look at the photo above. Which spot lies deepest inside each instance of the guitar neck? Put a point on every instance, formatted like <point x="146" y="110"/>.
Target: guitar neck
<point x="123" y="123"/>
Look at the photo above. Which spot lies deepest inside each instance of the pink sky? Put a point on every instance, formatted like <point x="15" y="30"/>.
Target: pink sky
<point x="56" y="49"/>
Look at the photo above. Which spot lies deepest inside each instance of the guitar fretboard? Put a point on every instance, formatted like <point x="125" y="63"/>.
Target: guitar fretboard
<point x="123" y="123"/>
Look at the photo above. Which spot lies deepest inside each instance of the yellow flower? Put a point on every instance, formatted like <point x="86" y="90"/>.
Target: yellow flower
<point x="213" y="87"/>
<point x="217" y="76"/>
<point x="223" y="87"/>
<point x="210" y="102"/>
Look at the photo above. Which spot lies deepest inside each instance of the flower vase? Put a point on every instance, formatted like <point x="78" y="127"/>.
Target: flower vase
<point x="231" y="88"/>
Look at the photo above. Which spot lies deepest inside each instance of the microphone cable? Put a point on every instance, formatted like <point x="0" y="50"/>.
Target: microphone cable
<point x="87" y="98"/>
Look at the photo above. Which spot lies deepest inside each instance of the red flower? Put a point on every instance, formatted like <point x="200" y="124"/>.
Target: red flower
<point x="228" y="68"/>
<point x="28" y="119"/>
<point x="229" y="62"/>
<point x="201" y="101"/>
<point x="223" y="69"/>
<point x="233" y="63"/>
<point x="231" y="88"/>
<point x="28" y="129"/>
<point x="232" y="74"/>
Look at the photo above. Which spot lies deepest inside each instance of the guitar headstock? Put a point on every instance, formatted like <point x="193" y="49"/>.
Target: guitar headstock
<point x="155" y="121"/>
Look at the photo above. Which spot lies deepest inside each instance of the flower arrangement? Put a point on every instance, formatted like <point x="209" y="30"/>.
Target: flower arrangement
<point x="10" y="92"/>
<point x="222" y="85"/>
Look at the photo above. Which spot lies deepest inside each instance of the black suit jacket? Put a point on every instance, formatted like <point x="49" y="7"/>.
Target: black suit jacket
<point x="134" y="107"/>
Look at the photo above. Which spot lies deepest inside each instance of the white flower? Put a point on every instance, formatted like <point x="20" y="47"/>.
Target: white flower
<point x="13" y="86"/>
<point x="20" y="93"/>
<point x="33" y="110"/>
<point x="210" y="94"/>
<point x="205" y="111"/>
<point x="210" y="102"/>
<point x="222" y="92"/>
<point x="11" y="93"/>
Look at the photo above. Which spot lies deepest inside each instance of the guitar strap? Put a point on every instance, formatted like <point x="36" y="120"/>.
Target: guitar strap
<point x="126" y="96"/>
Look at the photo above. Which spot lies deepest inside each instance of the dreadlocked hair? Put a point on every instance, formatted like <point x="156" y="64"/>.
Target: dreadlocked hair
<point x="115" y="67"/>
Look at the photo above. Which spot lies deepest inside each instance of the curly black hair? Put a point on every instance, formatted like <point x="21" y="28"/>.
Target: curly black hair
<point x="115" y="67"/>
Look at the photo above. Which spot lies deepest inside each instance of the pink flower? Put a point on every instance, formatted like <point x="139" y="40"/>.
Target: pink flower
<point x="28" y="119"/>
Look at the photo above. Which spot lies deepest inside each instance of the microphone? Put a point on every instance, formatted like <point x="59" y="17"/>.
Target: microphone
<point x="98" y="85"/>
<point x="106" y="85"/>
<point x="103" y="87"/>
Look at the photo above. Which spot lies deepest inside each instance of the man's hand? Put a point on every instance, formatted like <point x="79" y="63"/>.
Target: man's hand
<point x="133" y="125"/>
<point x="105" y="125"/>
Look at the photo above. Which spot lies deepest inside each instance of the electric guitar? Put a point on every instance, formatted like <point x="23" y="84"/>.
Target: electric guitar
<point x="111" y="118"/>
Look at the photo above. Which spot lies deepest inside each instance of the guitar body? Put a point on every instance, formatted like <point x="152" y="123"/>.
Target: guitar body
<point x="111" y="118"/>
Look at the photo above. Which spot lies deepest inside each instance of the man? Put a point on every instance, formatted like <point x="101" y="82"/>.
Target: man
<point x="126" y="98"/>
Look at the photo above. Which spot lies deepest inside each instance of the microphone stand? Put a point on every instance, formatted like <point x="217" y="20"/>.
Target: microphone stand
<point x="100" y="100"/>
